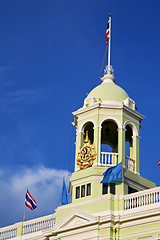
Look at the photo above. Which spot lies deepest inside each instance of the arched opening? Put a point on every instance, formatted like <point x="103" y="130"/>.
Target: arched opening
<point x="89" y="127"/>
<point x="129" y="161"/>
<point x="128" y="141"/>
<point x="109" y="143"/>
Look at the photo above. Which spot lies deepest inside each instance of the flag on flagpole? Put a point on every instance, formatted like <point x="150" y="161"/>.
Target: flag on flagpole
<point x="64" y="199"/>
<point x="29" y="201"/>
<point x="113" y="174"/>
<point x="108" y="32"/>
<point x="158" y="163"/>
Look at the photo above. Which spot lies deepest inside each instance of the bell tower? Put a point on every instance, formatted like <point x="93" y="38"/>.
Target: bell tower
<point x="109" y="120"/>
<point x="107" y="136"/>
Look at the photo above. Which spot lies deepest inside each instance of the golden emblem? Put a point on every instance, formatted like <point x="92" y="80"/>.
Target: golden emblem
<point x="87" y="154"/>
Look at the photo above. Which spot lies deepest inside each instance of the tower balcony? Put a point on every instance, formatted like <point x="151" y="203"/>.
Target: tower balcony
<point x="110" y="159"/>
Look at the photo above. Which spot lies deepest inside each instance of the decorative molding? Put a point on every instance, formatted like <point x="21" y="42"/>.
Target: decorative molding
<point x="135" y="113"/>
<point x="71" y="215"/>
<point x="133" y="120"/>
<point x="81" y="128"/>
<point x="112" y="119"/>
<point x="135" y="131"/>
<point x="100" y="113"/>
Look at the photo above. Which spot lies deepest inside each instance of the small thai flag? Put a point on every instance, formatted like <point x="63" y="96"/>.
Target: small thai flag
<point x="29" y="201"/>
<point x="108" y="32"/>
<point x="158" y="163"/>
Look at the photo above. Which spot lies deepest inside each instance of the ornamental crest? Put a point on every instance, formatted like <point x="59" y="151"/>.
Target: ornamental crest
<point x="87" y="154"/>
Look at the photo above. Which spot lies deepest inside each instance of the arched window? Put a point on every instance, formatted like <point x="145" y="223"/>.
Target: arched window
<point x="89" y="127"/>
<point x="129" y="149"/>
<point x="109" y="143"/>
<point x="109" y="137"/>
<point x="129" y="141"/>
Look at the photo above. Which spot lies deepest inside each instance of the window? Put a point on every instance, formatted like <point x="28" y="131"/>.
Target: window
<point x="112" y="188"/>
<point x="88" y="189"/>
<point x="105" y="188"/>
<point x="83" y="191"/>
<point x="77" y="192"/>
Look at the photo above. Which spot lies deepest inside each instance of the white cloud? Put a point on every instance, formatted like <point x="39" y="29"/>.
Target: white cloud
<point x="45" y="185"/>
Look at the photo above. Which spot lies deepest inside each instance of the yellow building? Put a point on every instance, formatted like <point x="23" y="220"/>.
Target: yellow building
<point x="124" y="209"/>
<point x="109" y="198"/>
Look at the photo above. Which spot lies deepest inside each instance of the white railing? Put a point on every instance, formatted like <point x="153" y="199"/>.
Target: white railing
<point x="8" y="232"/>
<point x="31" y="226"/>
<point x="39" y="224"/>
<point x="143" y="198"/>
<point x="130" y="164"/>
<point x="109" y="158"/>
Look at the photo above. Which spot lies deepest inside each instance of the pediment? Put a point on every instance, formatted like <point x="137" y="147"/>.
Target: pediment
<point x="73" y="219"/>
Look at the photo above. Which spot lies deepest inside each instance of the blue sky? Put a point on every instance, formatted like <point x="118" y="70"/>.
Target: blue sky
<point x="50" y="57"/>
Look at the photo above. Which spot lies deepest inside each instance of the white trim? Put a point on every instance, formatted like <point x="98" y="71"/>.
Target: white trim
<point x="111" y="114"/>
<point x="100" y="113"/>
<point x="141" y="234"/>
<point x="133" y="120"/>
<point x="102" y="105"/>
<point x="134" y="130"/>
<point x="81" y="128"/>
<point x="112" y="119"/>
<point x="135" y="113"/>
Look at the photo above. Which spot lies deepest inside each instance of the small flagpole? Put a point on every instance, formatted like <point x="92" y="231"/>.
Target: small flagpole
<point x="24" y="217"/>
<point x="109" y="45"/>
<point x="63" y="187"/>
<point x="24" y="213"/>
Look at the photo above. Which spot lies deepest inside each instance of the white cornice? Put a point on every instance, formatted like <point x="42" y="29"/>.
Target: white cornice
<point x="141" y="234"/>
<point x="135" y="113"/>
<point x="102" y="105"/>
<point x="131" y="119"/>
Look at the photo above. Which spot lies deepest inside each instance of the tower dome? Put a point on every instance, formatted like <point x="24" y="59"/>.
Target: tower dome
<point x="108" y="92"/>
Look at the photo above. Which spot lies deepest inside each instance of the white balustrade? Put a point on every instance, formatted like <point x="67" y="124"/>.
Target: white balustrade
<point x="8" y="232"/>
<point x="130" y="164"/>
<point x="109" y="158"/>
<point x="142" y="198"/>
<point x="34" y="225"/>
<point x="38" y="224"/>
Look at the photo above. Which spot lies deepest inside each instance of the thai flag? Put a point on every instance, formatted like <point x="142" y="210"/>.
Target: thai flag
<point x="108" y="32"/>
<point x="29" y="201"/>
<point x="158" y="163"/>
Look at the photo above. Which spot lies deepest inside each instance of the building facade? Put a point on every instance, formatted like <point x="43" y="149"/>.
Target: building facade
<point x="107" y="134"/>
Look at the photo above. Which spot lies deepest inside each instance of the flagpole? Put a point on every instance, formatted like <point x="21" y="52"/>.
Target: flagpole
<point x="24" y="217"/>
<point x="109" y="45"/>
<point x="63" y="187"/>
<point x="24" y="213"/>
